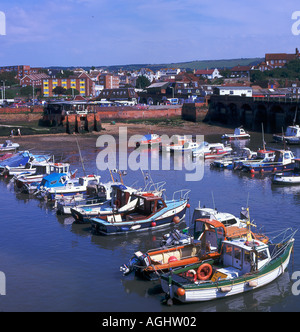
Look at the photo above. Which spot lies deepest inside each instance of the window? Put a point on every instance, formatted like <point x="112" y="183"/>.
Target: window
<point x="237" y="253"/>
<point x="262" y="255"/>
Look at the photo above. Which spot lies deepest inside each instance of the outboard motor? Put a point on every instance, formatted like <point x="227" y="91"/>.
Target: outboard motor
<point x="138" y="261"/>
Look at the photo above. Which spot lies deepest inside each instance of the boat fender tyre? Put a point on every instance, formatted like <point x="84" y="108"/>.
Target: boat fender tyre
<point x="204" y="271"/>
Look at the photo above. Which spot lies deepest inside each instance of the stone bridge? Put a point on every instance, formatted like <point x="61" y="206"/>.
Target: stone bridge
<point x="251" y="112"/>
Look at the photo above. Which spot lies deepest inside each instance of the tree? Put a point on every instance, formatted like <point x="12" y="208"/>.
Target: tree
<point x="72" y="92"/>
<point x="142" y="82"/>
<point x="26" y="91"/>
<point x="59" y="90"/>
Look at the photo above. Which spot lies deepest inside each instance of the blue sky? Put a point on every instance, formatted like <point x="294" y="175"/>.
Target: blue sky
<point x="114" y="32"/>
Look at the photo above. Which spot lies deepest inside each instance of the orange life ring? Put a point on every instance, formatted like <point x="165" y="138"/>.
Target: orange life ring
<point x="117" y="203"/>
<point x="204" y="271"/>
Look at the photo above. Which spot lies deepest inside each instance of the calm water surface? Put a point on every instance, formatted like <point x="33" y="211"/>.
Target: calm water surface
<point x="51" y="264"/>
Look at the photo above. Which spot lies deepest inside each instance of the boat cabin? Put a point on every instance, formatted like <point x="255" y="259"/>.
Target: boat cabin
<point x="239" y="131"/>
<point x="211" y="233"/>
<point x="266" y="155"/>
<point x="284" y="156"/>
<point x="241" y="256"/>
<point x="227" y="219"/>
<point x="121" y="195"/>
<point x="293" y="131"/>
<point x="146" y="205"/>
<point x="54" y="180"/>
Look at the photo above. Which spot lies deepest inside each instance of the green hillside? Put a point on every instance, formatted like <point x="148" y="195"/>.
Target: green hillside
<point x="197" y="64"/>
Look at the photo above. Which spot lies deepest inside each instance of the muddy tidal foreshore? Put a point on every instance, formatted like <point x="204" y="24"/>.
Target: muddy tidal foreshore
<point x="59" y="142"/>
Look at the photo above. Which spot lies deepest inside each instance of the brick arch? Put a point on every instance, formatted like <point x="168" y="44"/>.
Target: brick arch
<point x="260" y="117"/>
<point x="277" y="118"/>
<point x="247" y="115"/>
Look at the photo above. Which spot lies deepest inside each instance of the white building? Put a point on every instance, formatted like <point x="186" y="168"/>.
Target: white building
<point x="242" y="91"/>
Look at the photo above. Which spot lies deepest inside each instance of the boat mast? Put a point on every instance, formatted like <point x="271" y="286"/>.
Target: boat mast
<point x="80" y="157"/>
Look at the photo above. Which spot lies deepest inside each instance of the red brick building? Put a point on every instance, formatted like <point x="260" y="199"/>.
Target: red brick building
<point x="109" y="81"/>
<point x="33" y="79"/>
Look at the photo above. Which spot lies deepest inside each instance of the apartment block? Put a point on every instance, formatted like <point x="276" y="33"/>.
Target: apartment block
<point x="80" y="84"/>
<point x="109" y="81"/>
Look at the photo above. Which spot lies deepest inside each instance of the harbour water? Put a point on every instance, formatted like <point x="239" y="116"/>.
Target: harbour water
<point x="52" y="264"/>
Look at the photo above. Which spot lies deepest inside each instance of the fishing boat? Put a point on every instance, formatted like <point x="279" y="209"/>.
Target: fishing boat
<point x="88" y="200"/>
<point x="239" y="133"/>
<point x="29" y="168"/>
<point x="150" y="213"/>
<point x="262" y="155"/>
<point x="149" y="140"/>
<point x="284" y="161"/>
<point x="177" y="143"/>
<point x="23" y="181"/>
<point x="286" y="179"/>
<point x="229" y="162"/>
<point x="9" y="146"/>
<point x="206" y="244"/>
<point x="19" y="160"/>
<point x="212" y="150"/>
<point x="177" y="237"/>
<point x="123" y="199"/>
<point x="244" y="264"/>
<point x="71" y="187"/>
<point x="291" y="135"/>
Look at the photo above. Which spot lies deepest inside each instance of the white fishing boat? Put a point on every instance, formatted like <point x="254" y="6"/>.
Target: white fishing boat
<point x="245" y="264"/>
<point x="69" y="187"/>
<point x="177" y="144"/>
<point x="24" y="180"/>
<point x="291" y="135"/>
<point x="9" y="146"/>
<point x="239" y="133"/>
<point x="212" y="150"/>
<point x="286" y="179"/>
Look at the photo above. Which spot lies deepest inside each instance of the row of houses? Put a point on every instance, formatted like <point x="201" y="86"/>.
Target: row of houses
<point x="95" y="81"/>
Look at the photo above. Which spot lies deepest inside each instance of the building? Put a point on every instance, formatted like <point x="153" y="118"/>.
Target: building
<point x="21" y="70"/>
<point x="109" y="81"/>
<point x="80" y="84"/>
<point x="33" y="80"/>
<point x="126" y="94"/>
<point x="242" y="91"/>
<point x="240" y="71"/>
<point x="278" y="60"/>
<point x="208" y="73"/>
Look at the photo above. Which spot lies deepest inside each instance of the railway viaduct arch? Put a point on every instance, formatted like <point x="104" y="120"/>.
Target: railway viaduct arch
<point x="251" y="112"/>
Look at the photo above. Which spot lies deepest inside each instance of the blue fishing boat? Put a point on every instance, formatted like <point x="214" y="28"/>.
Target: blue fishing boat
<point x="284" y="161"/>
<point x="54" y="186"/>
<point x="20" y="160"/>
<point x="150" y="212"/>
<point x="27" y="181"/>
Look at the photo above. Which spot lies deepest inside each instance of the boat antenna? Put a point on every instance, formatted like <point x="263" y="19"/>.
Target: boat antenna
<point x="295" y="117"/>
<point x="263" y="136"/>
<point x="80" y="156"/>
